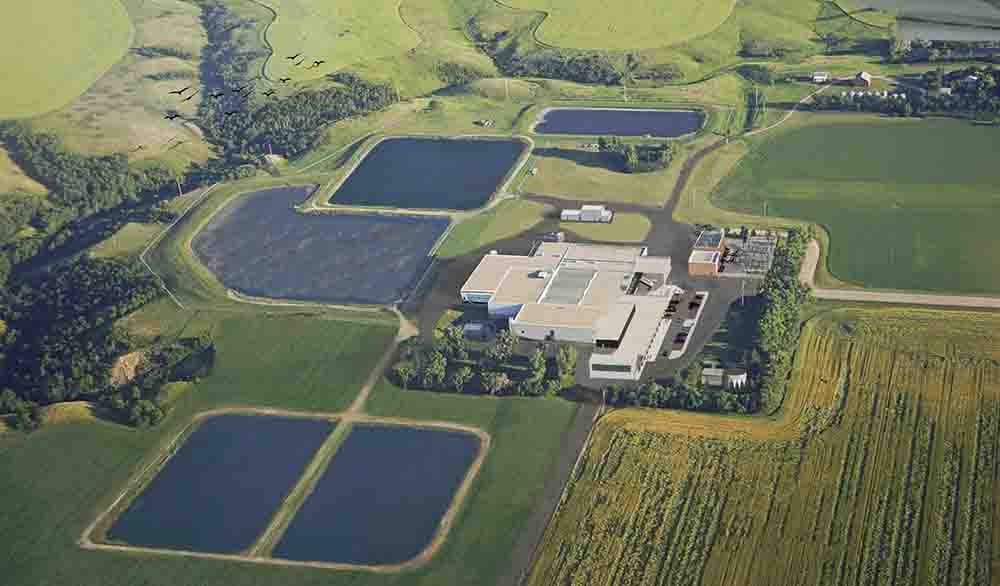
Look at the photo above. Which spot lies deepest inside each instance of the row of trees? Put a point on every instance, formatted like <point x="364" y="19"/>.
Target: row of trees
<point x="903" y="50"/>
<point x="636" y="158"/>
<point x="685" y="392"/>
<point x="784" y="297"/>
<point x="977" y="98"/>
<point x="448" y="364"/>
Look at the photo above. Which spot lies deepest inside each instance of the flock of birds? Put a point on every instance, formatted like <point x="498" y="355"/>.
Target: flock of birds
<point x="244" y="92"/>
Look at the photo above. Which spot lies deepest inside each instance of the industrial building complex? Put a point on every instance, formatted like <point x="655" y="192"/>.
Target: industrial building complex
<point x="612" y="297"/>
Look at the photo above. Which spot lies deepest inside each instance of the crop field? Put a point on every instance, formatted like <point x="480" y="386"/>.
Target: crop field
<point x="53" y="50"/>
<point x="907" y="204"/>
<point x="646" y="24"/>
<point x="880" y="469"/>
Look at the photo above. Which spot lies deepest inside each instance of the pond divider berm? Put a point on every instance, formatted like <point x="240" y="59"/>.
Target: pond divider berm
<point x="232" y="484"/>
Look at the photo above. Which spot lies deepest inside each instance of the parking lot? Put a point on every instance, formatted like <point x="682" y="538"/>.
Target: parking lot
<point x="683" y="312"/>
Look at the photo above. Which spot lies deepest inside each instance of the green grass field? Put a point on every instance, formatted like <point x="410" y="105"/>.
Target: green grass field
<point x="644" y="24"/>
<point x="625" y="227"/>
<point x="127" y="241"/>
<point x="508" y="218"/>
<point x="582" y="175"/>
<point x="53" y="50"/>
<point x="908" y="204"/>
<point x="62" y="475"/>
<point x="340" y="33"/>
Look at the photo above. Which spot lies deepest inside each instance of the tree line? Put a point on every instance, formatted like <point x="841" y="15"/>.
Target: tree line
<point x="683" y="392"/>
<point x="448" y="363"/>
<point x="979" y="97"/>
<point x="784" y="297"/>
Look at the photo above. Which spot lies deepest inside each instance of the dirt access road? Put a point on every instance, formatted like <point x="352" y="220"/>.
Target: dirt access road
<point x="808" y="274"/>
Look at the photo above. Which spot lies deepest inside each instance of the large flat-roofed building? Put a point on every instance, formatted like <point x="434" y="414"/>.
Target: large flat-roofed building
<point x="613" y="297"/>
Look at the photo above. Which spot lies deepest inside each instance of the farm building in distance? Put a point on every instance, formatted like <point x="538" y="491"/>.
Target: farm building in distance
<point x="821" y="77"/>
<point x="863" y="79"/>
<point x="707" y="253"/>
<point x="614" y="298"/>
<point x="588" y="213"/>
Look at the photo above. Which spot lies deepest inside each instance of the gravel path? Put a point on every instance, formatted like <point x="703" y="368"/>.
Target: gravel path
<point x="808" y="274"/>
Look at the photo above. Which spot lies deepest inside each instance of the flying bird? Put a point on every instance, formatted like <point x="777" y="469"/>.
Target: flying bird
<point x="239" y="89"/>
<point x="269" y="93"/>
<point x="294" y="57"/>
<point x="139" y="148"/>
<point x="300" y="62"/>
<point x="285" y="79"/>
<point x="177" y="144"/>
<point x="179" y="92"/>
<point x="228" y="114"/>
<point x="189" y="98"/>
<point x="172" y="116"/>
<point x="318" y="63"/>
<point x="216" y="95"/>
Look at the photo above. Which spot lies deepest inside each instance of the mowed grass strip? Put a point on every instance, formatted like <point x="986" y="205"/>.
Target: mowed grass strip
<point x="625" y="227"/>
<point x="592" y="24"/>
<point x="509" y="218"/>
<point x="340" y="33"/>
<point x="53" y="50"/>
<point x="908" y="204"/>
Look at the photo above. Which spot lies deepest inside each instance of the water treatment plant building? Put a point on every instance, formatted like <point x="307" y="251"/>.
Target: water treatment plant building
<point x="611" y="297"/>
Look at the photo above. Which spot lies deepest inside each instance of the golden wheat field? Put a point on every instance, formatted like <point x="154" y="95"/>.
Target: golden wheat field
<point x="881" y="469"/>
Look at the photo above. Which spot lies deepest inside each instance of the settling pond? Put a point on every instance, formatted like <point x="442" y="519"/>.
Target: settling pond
<point x="619" y="122"/>
<point x="382" y="497"/>
<point x="219" y="491"/>
<point x="259" y="245"/>
<point x="404" y="172"/>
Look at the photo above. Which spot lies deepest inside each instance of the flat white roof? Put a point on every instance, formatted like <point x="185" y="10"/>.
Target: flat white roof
<point x="612" y="323"/>
<point x="704" y="256"/>
<point x="558" y="315"/>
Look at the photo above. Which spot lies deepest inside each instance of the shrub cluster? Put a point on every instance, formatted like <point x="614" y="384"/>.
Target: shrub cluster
<point x="636" y="158"/>
<point x="449" y="364"/>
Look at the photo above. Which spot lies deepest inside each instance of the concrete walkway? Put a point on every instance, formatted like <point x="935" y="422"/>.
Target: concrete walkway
<point x="808" y="274"/>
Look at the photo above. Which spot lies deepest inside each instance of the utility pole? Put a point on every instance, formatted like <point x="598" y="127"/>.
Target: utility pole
<point x="178" y="181"/>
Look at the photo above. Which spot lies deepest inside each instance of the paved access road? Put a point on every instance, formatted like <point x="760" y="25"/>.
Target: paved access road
<point x="881" y="296"/>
